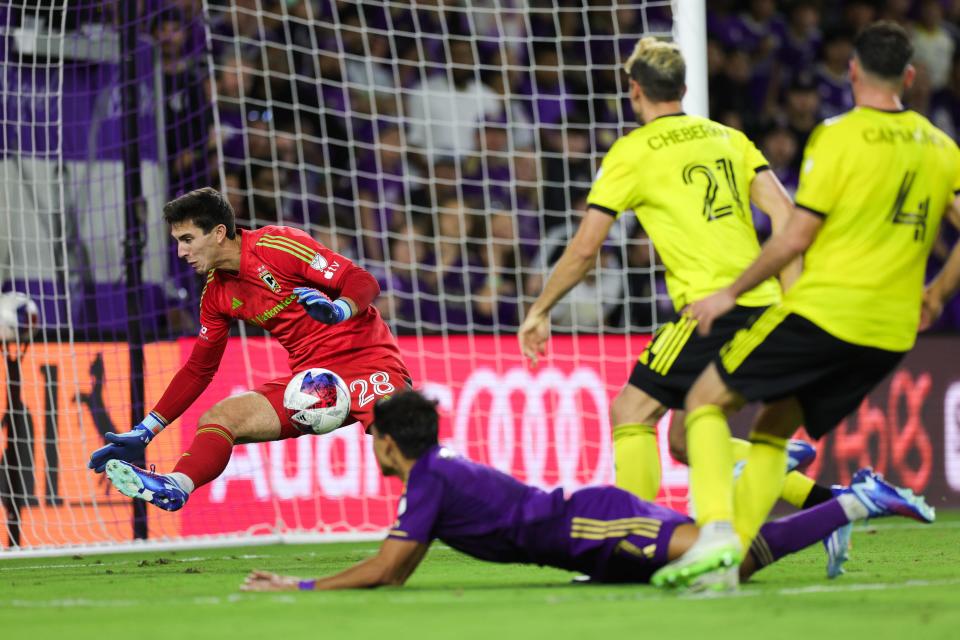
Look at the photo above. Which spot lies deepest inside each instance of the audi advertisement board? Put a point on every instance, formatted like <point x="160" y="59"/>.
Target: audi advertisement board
<point x="549" y="426"/>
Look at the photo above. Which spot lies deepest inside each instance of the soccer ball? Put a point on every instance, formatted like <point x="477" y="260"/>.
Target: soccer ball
<point x="317" y="401"/>
<point x="19" y="317"/>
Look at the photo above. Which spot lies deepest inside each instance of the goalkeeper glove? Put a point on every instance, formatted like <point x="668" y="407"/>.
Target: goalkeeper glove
<point x="319" y="307"/>
<point x="128" y="446"/>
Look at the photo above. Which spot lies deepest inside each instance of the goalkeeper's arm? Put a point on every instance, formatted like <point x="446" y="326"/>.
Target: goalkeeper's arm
<point x="183" y="390"/>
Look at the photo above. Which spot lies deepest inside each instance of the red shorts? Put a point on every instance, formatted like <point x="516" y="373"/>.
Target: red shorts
<point x="368" y="381"/>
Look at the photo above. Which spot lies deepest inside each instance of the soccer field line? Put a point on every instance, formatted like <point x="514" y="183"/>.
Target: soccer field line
<point x="451" y="595"/>
<point x="87" y="565"/>
<point x="884" y="526"/>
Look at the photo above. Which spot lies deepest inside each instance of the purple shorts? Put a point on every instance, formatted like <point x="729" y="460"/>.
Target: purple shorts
<point x="616" y="537"/>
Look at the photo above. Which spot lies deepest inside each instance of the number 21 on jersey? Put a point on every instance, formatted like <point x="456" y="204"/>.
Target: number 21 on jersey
<point x="721" y="196"/>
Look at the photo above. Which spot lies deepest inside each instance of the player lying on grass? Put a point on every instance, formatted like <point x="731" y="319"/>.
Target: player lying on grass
<point x="314" y="302"/>
<point x="604" y="532"/>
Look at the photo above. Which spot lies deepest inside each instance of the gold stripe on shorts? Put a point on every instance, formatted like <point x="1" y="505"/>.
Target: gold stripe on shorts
<point x="671" y="357"/>
<point x="746" y="340"/>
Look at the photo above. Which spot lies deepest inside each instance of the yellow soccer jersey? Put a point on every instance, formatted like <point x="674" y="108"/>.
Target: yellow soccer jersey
<point x="688" y="179"/>
<point x="882" y="181"/>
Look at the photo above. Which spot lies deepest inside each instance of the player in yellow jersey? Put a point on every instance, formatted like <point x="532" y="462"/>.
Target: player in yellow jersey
<point x="874" y="185"/>
<point x="690" y="182"/>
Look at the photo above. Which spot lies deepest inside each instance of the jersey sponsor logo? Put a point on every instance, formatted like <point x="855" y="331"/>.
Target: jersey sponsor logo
<point x="268" y="279"/>
<point x="319" y="263"/>
<point x="261" y="318"/>
<point x="331" y="270"/>
<point x="203" y="332"/>
<point x="236" y="304"/>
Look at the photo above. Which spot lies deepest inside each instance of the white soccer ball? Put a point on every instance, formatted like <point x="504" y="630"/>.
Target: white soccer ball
<point x="317" y="401"/>
<point x="19" y="317"/>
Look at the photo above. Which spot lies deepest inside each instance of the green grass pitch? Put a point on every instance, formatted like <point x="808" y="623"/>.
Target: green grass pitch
<point x="903" y="582"/>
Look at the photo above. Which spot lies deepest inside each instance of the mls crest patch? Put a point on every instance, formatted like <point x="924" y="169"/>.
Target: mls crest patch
<point x="268" y="279"/>
<point x="318" y="263"/>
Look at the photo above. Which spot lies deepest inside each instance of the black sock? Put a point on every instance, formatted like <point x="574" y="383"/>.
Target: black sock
<point x="818" y="495"/>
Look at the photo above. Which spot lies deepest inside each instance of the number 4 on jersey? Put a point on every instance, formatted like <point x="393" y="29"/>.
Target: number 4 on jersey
<point x="918" y="219"/>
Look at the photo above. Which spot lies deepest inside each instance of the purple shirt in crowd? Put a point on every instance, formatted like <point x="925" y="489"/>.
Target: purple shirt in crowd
<point x="604" y="532"/>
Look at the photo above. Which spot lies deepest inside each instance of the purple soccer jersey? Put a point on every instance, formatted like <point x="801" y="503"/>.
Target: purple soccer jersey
<point x="604" y="532"/>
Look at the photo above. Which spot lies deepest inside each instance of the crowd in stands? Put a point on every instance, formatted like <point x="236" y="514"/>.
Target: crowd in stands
<point x="448" y="145"/>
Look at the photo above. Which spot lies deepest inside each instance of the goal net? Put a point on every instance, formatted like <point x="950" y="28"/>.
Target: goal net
<point x="446" y="147"/>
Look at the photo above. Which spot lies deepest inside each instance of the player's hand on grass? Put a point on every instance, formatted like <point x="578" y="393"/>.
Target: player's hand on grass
<point x="321" y="308"/>
<point x="707" y="310"/>
<point x="930" y="310"/>
<point x="128" y="446"/>
<point x="533" y="336"/>
<point x="266" y="581"/>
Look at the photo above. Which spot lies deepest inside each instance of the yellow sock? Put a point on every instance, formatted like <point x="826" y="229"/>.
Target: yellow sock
<point x="759" y="486"/>
<point x="636" y="457"/>
<point x="711" y="464"/>
<point x="796" y="488"/>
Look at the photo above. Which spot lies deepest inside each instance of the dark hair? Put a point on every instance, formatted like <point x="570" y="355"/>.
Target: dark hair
<point x="411" y="419"/>
<point x="205" y="207"/>
<point x="884" y="49"/>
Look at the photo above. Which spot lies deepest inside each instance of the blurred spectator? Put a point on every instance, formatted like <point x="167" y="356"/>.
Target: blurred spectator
<point x="730" y="90"/>
<point x="859" y="13"/>
<point x="595" y="301"/>
<point x="381" y="177"/>
<point x="945" y="109"/>
<point x="802" y="112"/>
<point x="235" y="190"/>
<point x="445" y="110"/>
<point x="833" y="85"/>
<point x="186" y="109"/>
<point x="896" y="10"/>
<point x="234" y="81"/>
<point x="800" y="43"/>
<point x="933" y="46"/>
<point x="780" y="147"/>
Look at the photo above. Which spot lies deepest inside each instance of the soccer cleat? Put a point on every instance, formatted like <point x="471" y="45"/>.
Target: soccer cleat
<point x="800" y="454"/>
<point x="837" y="545"/>
<point x="711" y="564"/>
<point x="884" y="499"/>
<point x="141" y="484"/>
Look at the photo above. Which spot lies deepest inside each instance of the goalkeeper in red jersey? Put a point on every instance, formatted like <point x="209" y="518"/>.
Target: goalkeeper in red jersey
<point x="314" y="302"/>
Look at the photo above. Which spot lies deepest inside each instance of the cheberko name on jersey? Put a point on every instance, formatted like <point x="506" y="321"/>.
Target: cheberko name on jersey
<point x="686" y="134"/>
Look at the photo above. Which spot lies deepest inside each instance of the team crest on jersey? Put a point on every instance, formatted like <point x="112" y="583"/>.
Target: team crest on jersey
<point x="319" y="263"/>
<point x="268" y="279"/>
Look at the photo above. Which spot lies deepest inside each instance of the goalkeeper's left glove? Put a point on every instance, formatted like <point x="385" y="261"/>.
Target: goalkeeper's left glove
<point x="129" y="446"/>
<point x="319" y="307"/>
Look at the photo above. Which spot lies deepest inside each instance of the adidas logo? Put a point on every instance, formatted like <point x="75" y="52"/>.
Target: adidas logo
<point x="236" y="304"/>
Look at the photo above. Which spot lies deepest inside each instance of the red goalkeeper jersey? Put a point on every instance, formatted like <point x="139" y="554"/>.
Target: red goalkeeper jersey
<point x="274" y="260"/>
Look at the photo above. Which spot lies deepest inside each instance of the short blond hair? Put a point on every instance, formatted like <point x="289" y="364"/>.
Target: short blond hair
<point x="658" y="68"/>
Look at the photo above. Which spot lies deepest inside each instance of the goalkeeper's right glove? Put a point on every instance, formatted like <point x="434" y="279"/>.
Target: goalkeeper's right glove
<point x="128" y="446"/>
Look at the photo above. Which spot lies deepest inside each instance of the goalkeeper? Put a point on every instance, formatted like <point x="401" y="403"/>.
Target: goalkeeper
<point x="314" y="302"/>
<point x="604" y="532"/>
<point x="690" y="182"/>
